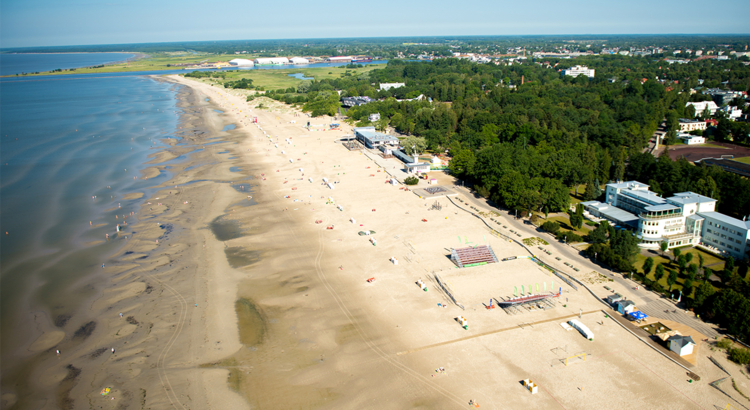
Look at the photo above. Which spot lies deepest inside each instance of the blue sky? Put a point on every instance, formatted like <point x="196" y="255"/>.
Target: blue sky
<point x="25" y="23"/>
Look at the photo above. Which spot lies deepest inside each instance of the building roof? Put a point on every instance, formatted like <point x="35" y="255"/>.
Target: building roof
<point x="271" y="60"/>
<point x="629" y="184"/>
<point x="648" y="197"/>
<point x="241" y="62"/>
<point x="374" y="136"/>
<point x="683" y="198"/>
<point x="728" y="220"/>
<point x="595" y="204"/>
<point x="695" y="217"/>
<point x="617" y="214"/>
<point x="681" y="340"/>
<point x="418" y="164"/>
<point x="688" y="121"/>
<point x="626" y="303"/>
<point x="662" y="207"/>
<point x="354" y="101"/>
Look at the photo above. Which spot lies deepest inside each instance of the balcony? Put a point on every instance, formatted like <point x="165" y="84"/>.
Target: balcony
<point x="648" y="217"/>
<point x="679" y="236"/>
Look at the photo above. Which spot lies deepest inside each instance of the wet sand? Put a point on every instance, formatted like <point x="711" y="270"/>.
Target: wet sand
<point x="162" y="303"/>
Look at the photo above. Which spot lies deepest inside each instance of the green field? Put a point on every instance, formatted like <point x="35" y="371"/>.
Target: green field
<point x="280" y="79"/>
<point x="167" y="61"/>
<point x="744" y="160"/>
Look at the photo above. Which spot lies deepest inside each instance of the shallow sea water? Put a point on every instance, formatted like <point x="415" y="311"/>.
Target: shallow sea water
<point x="72" y="147"/>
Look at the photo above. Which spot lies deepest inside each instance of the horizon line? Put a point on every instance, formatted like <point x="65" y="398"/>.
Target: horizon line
<point x="3" y="49"/>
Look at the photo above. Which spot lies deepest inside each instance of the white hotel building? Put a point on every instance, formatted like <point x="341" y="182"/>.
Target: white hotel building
<point x="685" y="219"/>
<point x="579" y="70"/>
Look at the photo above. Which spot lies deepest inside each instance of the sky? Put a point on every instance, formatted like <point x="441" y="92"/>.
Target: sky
<point x="30" y="23"/>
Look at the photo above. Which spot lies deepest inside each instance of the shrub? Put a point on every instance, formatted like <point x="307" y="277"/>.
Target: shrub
<point x="724" y="343"/>
<point x="551" y="226"/>
<point x="411" y="180"/>
<point x="739" y="355"/>
<point x="570" y="235"/>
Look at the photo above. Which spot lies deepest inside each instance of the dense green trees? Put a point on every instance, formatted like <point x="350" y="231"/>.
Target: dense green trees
<point x="618" y="251"/>
<point x="322" y="103"/>
<point x="730" y="310"/>
<point x="551" y="128"/>
<point x="668" y="177"/>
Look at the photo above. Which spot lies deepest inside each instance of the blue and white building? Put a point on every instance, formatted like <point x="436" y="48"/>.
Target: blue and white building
<point x="685" y="219"/>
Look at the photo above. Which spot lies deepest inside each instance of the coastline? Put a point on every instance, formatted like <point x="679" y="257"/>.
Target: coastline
<point x="232" y="296"/>
<point x="155" y="282"/>
<point x="328" y="338"/>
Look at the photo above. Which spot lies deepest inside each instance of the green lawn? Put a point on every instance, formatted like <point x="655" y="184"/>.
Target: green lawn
<point x="575" y="199"/>
<point x="744" y="160"/>
<point x="279" y="78"/>
<point x="564" y="222"/>
<point x="708" y="259"/>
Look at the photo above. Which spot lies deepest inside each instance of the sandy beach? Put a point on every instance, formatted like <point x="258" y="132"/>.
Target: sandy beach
<point x="228" y="293"/>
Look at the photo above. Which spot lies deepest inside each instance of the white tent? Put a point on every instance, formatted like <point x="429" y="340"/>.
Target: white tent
<point x="299" y="60"/>
<point x="241" y="62"/>
<point x="271" y="61"/>
<point x="588" y="334"/>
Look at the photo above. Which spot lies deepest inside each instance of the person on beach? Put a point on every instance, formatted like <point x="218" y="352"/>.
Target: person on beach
<point x="113" y="350"/>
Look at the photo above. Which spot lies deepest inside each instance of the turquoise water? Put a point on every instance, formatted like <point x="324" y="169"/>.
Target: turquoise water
<point x="65" y="140"/>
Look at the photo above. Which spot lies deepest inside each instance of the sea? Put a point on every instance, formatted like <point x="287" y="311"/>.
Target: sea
<point x="71" y="148"/>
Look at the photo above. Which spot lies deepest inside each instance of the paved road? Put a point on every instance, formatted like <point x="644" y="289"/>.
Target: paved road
<point x="648" y="302"/>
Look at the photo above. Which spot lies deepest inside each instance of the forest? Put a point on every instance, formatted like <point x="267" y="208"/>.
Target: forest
<point x="521" y="133"/>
